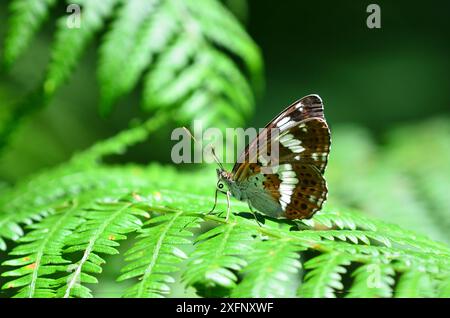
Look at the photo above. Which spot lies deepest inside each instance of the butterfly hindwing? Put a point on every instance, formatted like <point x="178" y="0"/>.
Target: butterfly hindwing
<point x="308" y="195"/>
<point x="299" y="190"/>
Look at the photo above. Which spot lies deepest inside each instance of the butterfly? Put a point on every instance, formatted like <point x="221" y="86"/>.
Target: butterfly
<point x="293" y="186"/>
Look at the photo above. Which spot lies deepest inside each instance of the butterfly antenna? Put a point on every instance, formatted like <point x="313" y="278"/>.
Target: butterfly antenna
<point x="213" y="150"/>
<point x="190" y="134"/>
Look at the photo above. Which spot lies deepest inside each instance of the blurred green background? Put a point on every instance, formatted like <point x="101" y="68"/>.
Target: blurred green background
<point x="386" y="94"/>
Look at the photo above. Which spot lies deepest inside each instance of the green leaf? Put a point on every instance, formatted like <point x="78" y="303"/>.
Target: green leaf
<point x="154" y="258"/>
<point x="76" y="215"/>
<point x="414" y="284"/>
<point x="70" y="43"/>
<point x="324" y="275"/>
<point x="187" y="63"/>
<point x="142" y="29"/>
<point x="372" y="281"/>
<point x="44" y="241"/>
<point x="271" y="266"/>
<point x="105" y="224"/>
<point x="26" y="17"/>
<point x="218" y="254"/>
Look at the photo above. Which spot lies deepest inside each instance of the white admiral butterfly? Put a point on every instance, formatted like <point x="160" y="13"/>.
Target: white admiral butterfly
<point x="295" y="187"/>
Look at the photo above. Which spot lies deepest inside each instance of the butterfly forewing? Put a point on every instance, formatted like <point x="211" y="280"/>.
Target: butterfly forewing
<point x="308" y="142"/>
<point x="295" y="181"/>
<point x="304" y="119"/>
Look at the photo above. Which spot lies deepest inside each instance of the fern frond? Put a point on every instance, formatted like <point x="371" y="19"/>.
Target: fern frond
<point x="334" y="218"/>
<point x="173" y="62"/>
<point x="105" y="224"/>
<point x="26" y="18"/>
<point x="157" y="255"/>
<point x="63" y="250"/>
<point x="132" y="16"/>
<point x="41" y="254"/>
<point x="88" y="226"/>
<point x="214" y="18"/>
<point x="219" y="252"/>
<point x="34" y="198"/>
<point x="270" y="267"/>
<point x="189" y="72"/>
<point x="195" y="75"/>
<point x="237" y="249"/>
<point x="410" y="239"/>
<point x="414" y="284"/>
<point x="373" y="280"/>
<point x="444" y="287"/>
<point x="324" y="275"/>
<point x="188" y="63"/>
<point x="70" y="43"/>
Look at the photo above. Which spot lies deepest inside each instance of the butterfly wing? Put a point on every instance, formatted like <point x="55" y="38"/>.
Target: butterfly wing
<point x="295" y="183"/>
<point x="303" y="121"/>
<point x="300" y="196"/>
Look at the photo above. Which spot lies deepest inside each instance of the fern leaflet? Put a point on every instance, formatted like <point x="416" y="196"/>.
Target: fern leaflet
<point x="272" y="264"/>
<point x="157" y="254"/>
<point x="218" y="253"/>
<point x="324" y="276"/>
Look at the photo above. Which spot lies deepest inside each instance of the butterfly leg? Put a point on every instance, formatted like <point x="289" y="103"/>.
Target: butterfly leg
<point x="228" y="206"/>
<point x="215" y="203"/>
<point x="254" y="214"/>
